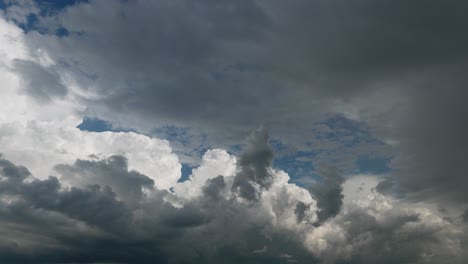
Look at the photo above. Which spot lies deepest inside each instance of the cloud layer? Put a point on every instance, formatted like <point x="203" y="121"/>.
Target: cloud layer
<point x="125" y="219"/>
<point x="394" y="66"/>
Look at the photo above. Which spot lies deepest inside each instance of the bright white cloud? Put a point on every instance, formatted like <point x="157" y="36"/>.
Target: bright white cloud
<point x="41" y="145"/>
<point x="214" y="162"/>
<point x="281" y="201"/>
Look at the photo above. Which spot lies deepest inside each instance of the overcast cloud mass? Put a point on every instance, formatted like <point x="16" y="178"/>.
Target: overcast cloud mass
<point x="216" y="131"/>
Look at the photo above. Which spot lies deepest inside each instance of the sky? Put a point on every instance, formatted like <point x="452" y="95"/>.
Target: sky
<point x="216" y="131"/>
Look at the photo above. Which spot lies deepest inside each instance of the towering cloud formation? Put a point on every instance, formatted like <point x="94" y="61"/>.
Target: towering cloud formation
<point x="254" y="167"/>
<point x="328" y="193"/>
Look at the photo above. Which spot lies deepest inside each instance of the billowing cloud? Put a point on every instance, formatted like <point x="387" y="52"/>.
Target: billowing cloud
<point x="215" y="162"/>
<point x="112" y="172"/>
<point x="374" y="228"/>
<point x="215" y="227"/>
<point x="41" y="145"/>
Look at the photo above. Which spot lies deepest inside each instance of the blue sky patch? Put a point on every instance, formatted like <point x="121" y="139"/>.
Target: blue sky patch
<point x="45" y="8"/>
<point x="374" y="165"/>
<point x="93" y="124"/>
<point x="186" y="171"/>
<point x="56" y="4"/>
<point x="171" y="133"/>
<point x="62" y="32"/>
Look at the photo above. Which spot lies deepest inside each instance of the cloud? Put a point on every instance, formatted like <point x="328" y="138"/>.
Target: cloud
<point x="254" y="166"/>
<point x="214" y="162"/>
<point x="19" y="10"/>
<point x="465" y="216"/>
<point x="43" y="134"/>
<point x="327" y="193"/>
<point x="216" y="69"/>
<point x="429" y="161"/>
<point x="369" y="228"/>
<point x="373" y="228"/>
<point x="127" y="223"/>
<point x="41" y="145"/>
<point x="112" y="172"/>
<point x="285" y="66"/>
<point x="51" y="224"/>
<point x="300" y="211"/>
<point x="40" y="83"/>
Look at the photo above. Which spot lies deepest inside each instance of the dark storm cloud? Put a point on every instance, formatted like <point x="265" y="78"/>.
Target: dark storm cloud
<point x="372" y="37"/>
<point x="40" y="83"/>
<point x="328" y="193"/>
<point x="417" y="49"/>
<point x="42" y="222"/>
<point x="111" y="230"/>
<point x="12" y="171"/>
<point x="214" y="187"/>
<point x="465" y="216"/>
<point x="432" y="138"/>
<point x="91" y="224"/>
<point x="255" y="165"/>
<point x="221" y="68"/>
<point x="198" y="61"/>
<point x="389" y="244"/>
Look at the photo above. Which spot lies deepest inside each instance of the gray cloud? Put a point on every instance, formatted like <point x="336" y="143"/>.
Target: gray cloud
<point x="388" y="242"/>
<point x="43" y="221"/>
<point x="19" y="10"/>
<point x="300" y="210"/>
<point x="105" y="229"/>
<point x="214" y="187"/>
<point x="13" y="172"/>
<point x="429" y="161"/>
<point x="328" y="193"/>
<point x="397" y="66"/>
<point x="40" y="83"/>
<point x="220" y="68"/>
<point x="255" y="165"/>
<point x="112" y="172"/>
<point x="376" y="38"/>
